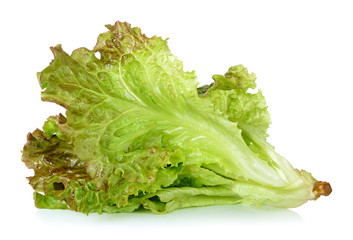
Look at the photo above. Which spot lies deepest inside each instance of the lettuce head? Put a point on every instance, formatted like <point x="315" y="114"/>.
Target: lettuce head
<point x="138" y="132"/>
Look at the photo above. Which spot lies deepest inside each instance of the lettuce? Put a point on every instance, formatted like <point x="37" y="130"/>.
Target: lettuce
<point x="139" y="133"/>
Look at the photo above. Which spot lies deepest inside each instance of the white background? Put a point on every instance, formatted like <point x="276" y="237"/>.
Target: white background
<point x="301" y="52"/>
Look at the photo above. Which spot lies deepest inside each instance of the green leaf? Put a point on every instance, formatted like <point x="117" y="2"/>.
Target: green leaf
<point x="229" y="94"/>
<point x="137" y="97"/>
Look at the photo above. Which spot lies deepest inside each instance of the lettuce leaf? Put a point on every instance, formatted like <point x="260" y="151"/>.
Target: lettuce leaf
<point x="139" y="133"/>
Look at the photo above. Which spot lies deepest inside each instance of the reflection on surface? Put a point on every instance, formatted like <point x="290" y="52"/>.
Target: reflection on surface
<point x="222" y="215"/>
